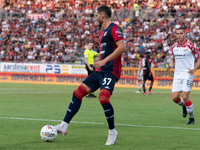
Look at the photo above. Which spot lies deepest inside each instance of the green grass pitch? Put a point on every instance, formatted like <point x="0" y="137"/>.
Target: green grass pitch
<point x="143" y="122"/>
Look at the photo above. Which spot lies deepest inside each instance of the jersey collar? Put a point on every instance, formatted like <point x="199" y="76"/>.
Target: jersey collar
<point x="183" y="45"/>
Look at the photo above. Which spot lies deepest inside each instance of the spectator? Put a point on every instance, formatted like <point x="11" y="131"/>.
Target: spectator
<point x="62" y="33"/>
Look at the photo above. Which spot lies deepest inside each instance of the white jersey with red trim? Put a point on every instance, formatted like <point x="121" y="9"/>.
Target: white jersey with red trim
<point x="141" y="66"/>
<point x="184" y="56"/>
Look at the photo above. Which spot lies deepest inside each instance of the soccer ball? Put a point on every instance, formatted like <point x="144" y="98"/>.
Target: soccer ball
<point x="48" y="133"/>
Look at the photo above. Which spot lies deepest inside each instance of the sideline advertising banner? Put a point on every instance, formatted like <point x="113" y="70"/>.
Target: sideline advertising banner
<point x="43" y="68"/>
<point x="157" y="72"/>
<point x="72" y="79"/>
<point x="20" y="67"/>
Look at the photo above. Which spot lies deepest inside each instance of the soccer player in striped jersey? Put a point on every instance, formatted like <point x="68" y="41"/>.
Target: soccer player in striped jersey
<point x="147" y="74"/>
<point x="184" y="54"/>
<point x="107" y="73"/>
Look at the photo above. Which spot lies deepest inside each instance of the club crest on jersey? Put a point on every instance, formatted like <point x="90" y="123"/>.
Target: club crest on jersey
<point x="185" y="50"/>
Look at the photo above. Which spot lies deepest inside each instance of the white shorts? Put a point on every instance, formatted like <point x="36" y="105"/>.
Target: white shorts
<point x="182" y="84"/>
<point x="141" y="76"/>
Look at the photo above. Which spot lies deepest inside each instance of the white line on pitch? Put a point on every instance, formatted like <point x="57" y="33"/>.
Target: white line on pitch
<point x="64" y="92"/>
<point x="29" y="92"/>
<point x="126" y="125"/>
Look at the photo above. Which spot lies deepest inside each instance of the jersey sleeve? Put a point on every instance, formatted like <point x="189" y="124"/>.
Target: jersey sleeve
<point x="148" y="60"/>
<point x="195" y="52"/>
<point x="95" y="53"/>
<point x="171" y="49"/>
<point x="86" y="54"/>
<point x="117" y="33"/>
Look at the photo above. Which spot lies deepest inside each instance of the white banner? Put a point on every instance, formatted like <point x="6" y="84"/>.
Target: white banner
<point x="79" y="69"/>
<point x="43" y="68"/>
<point x="56" y="68"/>
<point x="20" y="67"/>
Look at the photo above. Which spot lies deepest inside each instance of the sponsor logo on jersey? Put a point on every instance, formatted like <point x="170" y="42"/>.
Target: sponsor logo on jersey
<point x="179" y="56"/>
<point x="103" y="44"/>
<point x="119" y="31"/>
<point x="185" y="50"/>
<point x="102" y="52"/>
<point x="105" y="33"/>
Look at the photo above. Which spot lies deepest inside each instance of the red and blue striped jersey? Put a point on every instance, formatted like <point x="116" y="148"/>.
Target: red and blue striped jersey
<point x="107" y="40"/>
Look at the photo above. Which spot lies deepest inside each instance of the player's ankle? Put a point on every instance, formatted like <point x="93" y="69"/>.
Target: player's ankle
<point x="112" y="131"/>
<point x="64" y="124"/>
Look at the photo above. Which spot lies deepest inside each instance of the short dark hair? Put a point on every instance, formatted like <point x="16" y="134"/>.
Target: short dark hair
<point x="141" y="56"/>
<point x="181" y="28"/>
<point x="105" y="9"/>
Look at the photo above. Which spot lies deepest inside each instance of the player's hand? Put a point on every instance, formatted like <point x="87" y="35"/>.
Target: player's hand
<point x="149" y="74"/>
<point x="191" y="71"/>
<point x="91" y="69"/>
<point x="169" y="67"/>
<point x="99" y="64"/>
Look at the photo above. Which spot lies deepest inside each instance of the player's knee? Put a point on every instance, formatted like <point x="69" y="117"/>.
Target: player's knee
<point x="185" y="98"/>
<point x="80" y="92"/>
<point x="175" y="98"/>
<point x="104" y="96"/>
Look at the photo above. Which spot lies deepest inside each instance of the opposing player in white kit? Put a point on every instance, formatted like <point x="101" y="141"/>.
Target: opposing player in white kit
<point x="184" y="54"/>
<point x="140" y="74"/>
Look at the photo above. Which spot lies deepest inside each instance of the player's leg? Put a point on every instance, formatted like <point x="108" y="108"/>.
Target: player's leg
<point x="139" y="86"/>
<point x="189" y="107"/>
<point x="176" y="93"/>
<point x="140" y="79"/>
<point x="89" y="84"/>
<point x="186" y="88"/>
<point x="90" y="95"/>
<point x="179" y="100"/>
<point x="73" y="108"/>
<point x="151" y="84"/>
<point x="104" y="98"/>
<point x="144" y="83"/>
<point x="107" y="86"/>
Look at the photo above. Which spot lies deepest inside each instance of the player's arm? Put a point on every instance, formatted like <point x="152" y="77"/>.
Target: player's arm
<point x="87" y="63"/>
<point x="149" y="67"/>
<point x="96" y="54"/>
<point x="118" y="51"/>
<point x="197" y="56"/>
<point x="140" y="68"/>
<point x="197" y="64"/>
<point x="171" y="65"/>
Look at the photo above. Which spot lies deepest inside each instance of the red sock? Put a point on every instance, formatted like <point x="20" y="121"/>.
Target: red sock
<point x="188" y="104"/>
<point x="178" y="101"/>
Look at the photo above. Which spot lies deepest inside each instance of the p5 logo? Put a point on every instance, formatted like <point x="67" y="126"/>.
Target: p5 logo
<point x="53" y="69"/>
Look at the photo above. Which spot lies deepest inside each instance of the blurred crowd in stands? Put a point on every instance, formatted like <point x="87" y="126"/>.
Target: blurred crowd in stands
<point x="58" y="31"/>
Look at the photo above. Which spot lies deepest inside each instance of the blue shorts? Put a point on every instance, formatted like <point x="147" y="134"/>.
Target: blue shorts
<point x="102" y="80"/>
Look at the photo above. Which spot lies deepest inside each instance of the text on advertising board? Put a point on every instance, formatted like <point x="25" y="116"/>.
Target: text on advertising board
<point x="21" y="68"/>
<point x="57" y="69"/>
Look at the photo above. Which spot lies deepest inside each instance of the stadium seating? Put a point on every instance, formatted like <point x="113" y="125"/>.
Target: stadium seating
<point x="57" y="31"/>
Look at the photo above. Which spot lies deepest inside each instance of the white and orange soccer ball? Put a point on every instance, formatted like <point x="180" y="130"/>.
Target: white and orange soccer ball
<point x="48" y="133"/>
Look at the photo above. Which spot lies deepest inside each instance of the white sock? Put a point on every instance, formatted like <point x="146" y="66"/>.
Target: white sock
<point x="112" y="131"/>
<point x="181" y="103"/>
<point x="64" y="124"/>
<point x="139" y="86"/>
<point x="190" y="111"/>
